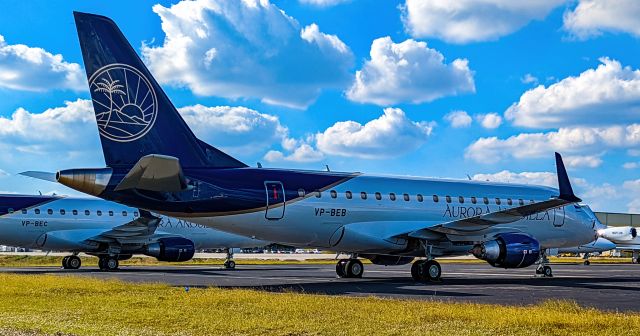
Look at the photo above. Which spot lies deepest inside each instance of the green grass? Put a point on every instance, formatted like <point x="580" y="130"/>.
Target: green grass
<point x="31" y="261"/>
<point x="85" y="306"/>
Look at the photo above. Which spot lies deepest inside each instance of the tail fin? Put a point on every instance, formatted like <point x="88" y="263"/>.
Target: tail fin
<point x="135" y="117"/>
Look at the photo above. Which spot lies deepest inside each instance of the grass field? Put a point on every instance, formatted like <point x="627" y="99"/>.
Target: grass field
<point x="30" y="261"/>
<point x="43" y="304"/>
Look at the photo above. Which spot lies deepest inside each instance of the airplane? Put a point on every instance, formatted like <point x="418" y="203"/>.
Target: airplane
<point x="112" y="232"/>
<point x="626" y="239"/>
<point x="155" y="162"/>
<point x="597" y="246"/>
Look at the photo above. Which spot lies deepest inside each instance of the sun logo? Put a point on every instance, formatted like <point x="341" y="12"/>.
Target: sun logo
<point x="124" y="102"/>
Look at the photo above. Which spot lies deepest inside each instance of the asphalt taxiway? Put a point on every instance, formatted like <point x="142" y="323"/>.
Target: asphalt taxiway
<point x="614" y="287"/>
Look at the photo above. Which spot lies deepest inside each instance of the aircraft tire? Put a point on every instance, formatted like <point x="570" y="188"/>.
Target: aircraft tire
<point x="638" y="260"/>
<point x="587" y="262"/>
<point x="416" y="270"/>
<point x="65" y="261"/>
<point x="230" y="264"/>
<point x="73" y="262"/>
<point x="354" y="268"/>
<point x="432" y="271"/>
<point x="111" y="264"/>
<point x="547" y="271"/>
<point x="340" y="268"/>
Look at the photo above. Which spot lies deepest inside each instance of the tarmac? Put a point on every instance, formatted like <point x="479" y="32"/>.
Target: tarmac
<point x="612" y="287"/>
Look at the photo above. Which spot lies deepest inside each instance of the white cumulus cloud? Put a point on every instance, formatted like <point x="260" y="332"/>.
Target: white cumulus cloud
<point x="490" y="120"/>
<point x="610" y="93"/>
<point x="595" y="17"/>
<point x="246" y="49"/>
<point x="458" y="119"/>
<point x="391" y="135"/>
<point x="586" y="161"/>
<point x="464" y="21"/>
<point x="323" y="3"/>
<point x="408" y="72"/>
<point x="35" y="69"/>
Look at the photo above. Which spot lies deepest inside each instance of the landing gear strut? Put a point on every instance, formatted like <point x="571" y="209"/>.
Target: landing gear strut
<point x="349" y="268"/>
<point x="586" y="259"/>
<point x="108" y="263"/>
<point x="543" y="269"/>
<point x="71" y="262"/>
<point x="426" y="271"/>
<point x="635" y="258"/>
<point x="228" y="262"/>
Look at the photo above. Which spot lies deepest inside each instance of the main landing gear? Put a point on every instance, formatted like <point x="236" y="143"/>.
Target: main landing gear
<point x="426" y="271"/>
<point x="108" y="263"/>
<point x="349" y="268"/>
<point x="586" y="259"/>
<point x="635" y="258"/>
<point x="71" y="262"/>
<point x="543" y="269"/>
<point x="228" y="262"/>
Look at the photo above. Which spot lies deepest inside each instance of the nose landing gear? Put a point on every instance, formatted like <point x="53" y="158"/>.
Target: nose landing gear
<point x="543" y="269"/>
<point x="229" y="263"/>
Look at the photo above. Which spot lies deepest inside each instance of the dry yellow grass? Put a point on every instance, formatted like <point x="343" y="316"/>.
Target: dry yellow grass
<point x="85" y="306"/>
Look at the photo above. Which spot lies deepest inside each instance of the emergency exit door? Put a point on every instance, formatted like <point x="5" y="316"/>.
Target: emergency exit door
<point x="275" y="200"/>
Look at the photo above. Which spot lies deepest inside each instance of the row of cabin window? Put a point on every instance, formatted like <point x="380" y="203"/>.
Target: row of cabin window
<point x="74" y="212"/>
<point x="420" y="198"/>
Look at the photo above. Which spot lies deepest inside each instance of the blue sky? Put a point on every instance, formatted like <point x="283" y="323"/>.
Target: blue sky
<point x="488" y="88"/>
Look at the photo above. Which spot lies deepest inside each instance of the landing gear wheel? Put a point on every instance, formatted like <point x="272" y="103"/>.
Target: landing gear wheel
<point x="587" y="262"/>
<point x="432" y="270"/>
<point x="340" y="268"/>
<point x="637" y="260"/>
<point x="65" y="261"/>
<point x="416" y="270"/>
<point x="547" y="272"/>
<point x="354" y="268"/>
<point x="108" y="264"/>
<point x="73" y="262"/>
<point x="230" y="264"/>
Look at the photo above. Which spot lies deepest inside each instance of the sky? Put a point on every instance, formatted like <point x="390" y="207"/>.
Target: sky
<point x="481" y="89"/>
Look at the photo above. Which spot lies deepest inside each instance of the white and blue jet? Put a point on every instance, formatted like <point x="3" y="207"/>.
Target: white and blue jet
<point x="108" y="230"/>
<point x="155" y="162"/>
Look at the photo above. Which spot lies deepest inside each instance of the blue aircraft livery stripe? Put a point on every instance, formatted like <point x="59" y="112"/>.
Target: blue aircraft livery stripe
<point x="19" y="202"/>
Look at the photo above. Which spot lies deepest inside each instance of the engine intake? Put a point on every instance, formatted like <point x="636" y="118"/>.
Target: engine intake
<point x="509" y="250"/>
<point x="172" y="249"/>
<point x="614" y="234"/>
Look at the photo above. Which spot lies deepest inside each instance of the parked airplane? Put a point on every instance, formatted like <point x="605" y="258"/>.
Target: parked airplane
<point x="626" y="239"/>
<point x="597" y="246"/>
<point x="110" y="231"/>
<point x="155" y="162"/>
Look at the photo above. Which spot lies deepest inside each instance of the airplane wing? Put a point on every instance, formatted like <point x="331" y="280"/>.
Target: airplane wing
<point x="482" y="222"/>
<point x="155" y="173"/>
<point x="141" y="228"/>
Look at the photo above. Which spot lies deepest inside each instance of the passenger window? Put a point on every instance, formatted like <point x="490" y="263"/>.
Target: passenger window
<point x="62" y="212"/>
<point x="485" y="200"/>
<point x="363" y="195"/>
<point x="392" y="196"/>
<point x="435" y="198"/>
<point x="99" y="213"/>
<point x="460" y="199"/>
<point x="87" y="212"/>
<point x="419" y="198"/>
<point x="135" y="214"/>
<point x="49" y="211"/>
<point x="37" y="211"/>
<point x="473" y="200"/>
<point x="509" y="201"/>
<point x="318" y="194"/>
<point x="301" y="193"/>
<point x="110" y="213"/>
<point x="378" y="196"/>
<point x="333" y="193"/>
<point x="448" y="199"/>
<point x="521" y="202"/>
<point x="406" y="197"/>
<point x="124" y="213"/>
<point x="24" y="211"/>
<point x="75" y="212"/>
<point x="498" y="201"/>
<point x="348" y="195"/>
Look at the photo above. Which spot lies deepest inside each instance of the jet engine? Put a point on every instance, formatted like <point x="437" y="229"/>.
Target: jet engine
<point x="509" y="250"/>
<point x="387" y="260"/>
<point x="624" y="233"/>
<point x="172" y="249"/>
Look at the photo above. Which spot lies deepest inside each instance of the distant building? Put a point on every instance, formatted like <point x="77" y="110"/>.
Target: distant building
<point x="618" y="219"/>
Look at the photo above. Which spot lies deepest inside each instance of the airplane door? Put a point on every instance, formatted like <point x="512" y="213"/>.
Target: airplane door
<point x="558" y="217"/>
<point x="275" y="200"/>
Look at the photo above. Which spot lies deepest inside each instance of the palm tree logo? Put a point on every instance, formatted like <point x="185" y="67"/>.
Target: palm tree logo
<point x="110" y="87"/>
<point x="124" y="102"/>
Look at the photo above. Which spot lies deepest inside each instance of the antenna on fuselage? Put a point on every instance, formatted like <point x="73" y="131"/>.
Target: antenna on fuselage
<point x="40" y="192"/>
<point x="469" y="177"/>
<point x="259" y="165"/>
<point x="327" y="167"/>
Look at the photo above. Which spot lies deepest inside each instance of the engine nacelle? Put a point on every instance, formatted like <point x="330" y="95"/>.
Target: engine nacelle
<point x="387" y="260"/>
<point x="509" y="250"/>
<point x="618" y="234"/>
<point x="172" y="249"/>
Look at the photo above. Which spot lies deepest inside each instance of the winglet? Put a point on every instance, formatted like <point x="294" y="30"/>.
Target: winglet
<point x="566" y="192"/>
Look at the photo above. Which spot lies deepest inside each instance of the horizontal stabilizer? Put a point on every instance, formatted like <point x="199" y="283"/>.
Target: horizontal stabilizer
<point x="47" y="176"/>
<point x="155" y="173"/>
